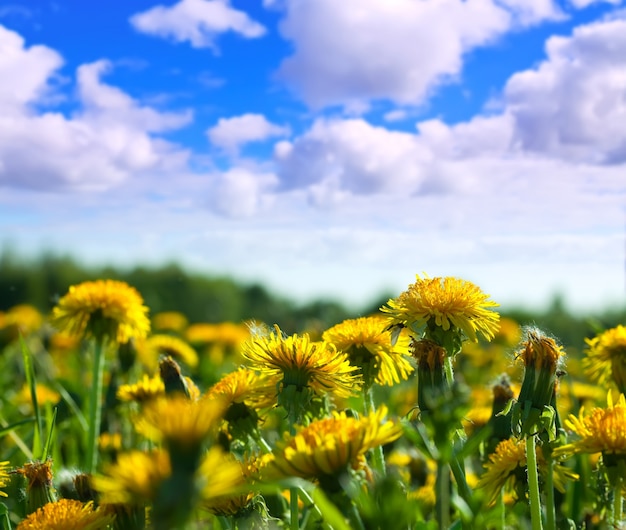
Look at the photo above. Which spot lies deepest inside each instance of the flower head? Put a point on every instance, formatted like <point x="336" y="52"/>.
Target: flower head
<point x="222" y="478"/>
<point x="606" y="358"/>
<point x="4" y="477"/>
<point x="169" y="321"/>
<point x="66" y="514"/>
<point x="180" y="422"/>
<point x="328" y="447"/>
<point x="102" y="308"/>
<point x="146" y="389"/>
<point x="446" y="303"/>
<point x="297" y="361"/>
<point x="369" y="346"/>
<point x="134" y="478"/>
<point x="603" y="430"/>
<point x="156" y="346"/>
<point x="507" y="468"/>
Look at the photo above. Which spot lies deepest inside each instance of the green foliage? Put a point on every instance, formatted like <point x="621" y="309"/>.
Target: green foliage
<point x="202" y="298"/>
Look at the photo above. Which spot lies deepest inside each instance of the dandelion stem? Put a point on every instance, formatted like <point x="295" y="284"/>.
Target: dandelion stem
<point x="502" y="507"/>
<point x="617" y="501"/>
<point x="95" y="406"/>
<point x="443" y="495"/>
<point x="447" y="366"/>
<point x="293" y="508"/>
<point x="549" y="489"/>
<point x="533" y="483"/>
<point x="378" y="458"/>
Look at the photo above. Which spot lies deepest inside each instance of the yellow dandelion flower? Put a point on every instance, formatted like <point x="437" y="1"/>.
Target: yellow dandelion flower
<point x="331" y="446"/>
<point x="4" y="477"/>
<point x="222" y="477"/>
<point x="605" y="360"/>
<point x="369" y="346"/>
<point x="298" y="362"/>
<point x="146" y="389"/>
<point x="180" y="422"/>
<point x="245" y="386"/>
<point x="156" y="346"/>
<point x="446" y="303"/>
<point x="44" y="393"/>
<point x="540" y="351"/>
<point x="110" y="441"/>
<point x="603" y="430"/>
<point x="170" y="321"/>
<point x="506" y="468"/>
<point x="66" y="514"/>
<point x="134" y="478"/>
<point x="102" y="308"/>
<point x="23" y="317"/>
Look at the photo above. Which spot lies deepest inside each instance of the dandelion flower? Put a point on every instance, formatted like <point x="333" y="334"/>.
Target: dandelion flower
<point x="24" y="318"/>
<point x="102" y="308"/>
<point x="134" y="478"/>
<point x="156" y="346"/>
<point x="169" y="321"/>
<point x="606" y="358"/>
<point x="222" y="476"/>
<point x="244" y="386"/>
<point x="178" y="421"/>
<point x="299" y="362"/>
<point x="446" y="303"/>
<point x="4" y="477"/>
<point x="67" y="514"/>
<point x="507" y="468"/>
<point x="603" y="430"/>
<point x="44" y="395"/>
<point x="146" y="389"/>
<point x="369" y="346"/>
<point x="328" y="447"/>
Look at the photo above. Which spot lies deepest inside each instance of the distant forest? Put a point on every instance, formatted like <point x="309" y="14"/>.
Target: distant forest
<point x="202" y="298"/>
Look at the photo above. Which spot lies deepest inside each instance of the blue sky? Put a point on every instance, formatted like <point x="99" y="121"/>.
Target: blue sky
<point x="323" y="148"/>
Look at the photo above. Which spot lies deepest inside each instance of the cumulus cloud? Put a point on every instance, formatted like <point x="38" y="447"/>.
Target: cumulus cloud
<point x="232" y="133"/>
<point x="198" y="21"/>
<point x="569" y="111"/>
<point x="241" y="192"/>
<point x="107" y="140"/>
<point x="354" y="156"/>
<point x="362" y="50"/>
<point x="572" y="105"/>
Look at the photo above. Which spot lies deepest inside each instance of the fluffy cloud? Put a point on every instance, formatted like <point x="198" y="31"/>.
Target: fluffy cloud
<point x="241" y="192"/>
<point x="198" y="21"/>
<point x="231" y="133"/>
<point x="360" y="50"/>
<point x="568" y="112"/>
<point x="572" y="105"/>
<point x="105" y="142"/>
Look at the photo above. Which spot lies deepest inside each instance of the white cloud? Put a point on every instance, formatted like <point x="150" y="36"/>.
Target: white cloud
<point x="585" y="3"/>
<point x="25" y="72"/>
<point x="231" y="133"/>
<point x="572" y="105"/>
<point x="105" y="142"/>
<point x="240" y="192"/>
<point x="354" y="156"/>
<point x="398" y="50"/>
<point x="198" y="21"/>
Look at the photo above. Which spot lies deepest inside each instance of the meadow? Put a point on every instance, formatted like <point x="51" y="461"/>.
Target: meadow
<point x="431" y="411"/>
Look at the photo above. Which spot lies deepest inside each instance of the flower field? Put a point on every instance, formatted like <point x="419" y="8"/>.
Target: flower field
<point x="434" y="412"/>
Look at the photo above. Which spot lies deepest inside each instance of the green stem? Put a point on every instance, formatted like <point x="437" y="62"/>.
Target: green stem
<point x="378" y="457"/>
<point x="355" y="517"/>
<point x="617" y="501"/>
<point x="533" y="483"/>
<point x="293" y="508"/>
<point x="549" y="490"/>
<point x="95" y="406"/>
<point x="442" y="486"/>
<point x="459" y="477"/>
<point x="447" y="366"/>
<point x="502" y="507"/>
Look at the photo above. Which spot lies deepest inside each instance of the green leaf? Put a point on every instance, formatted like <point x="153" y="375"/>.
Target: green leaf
<point x="31" y="381"/>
